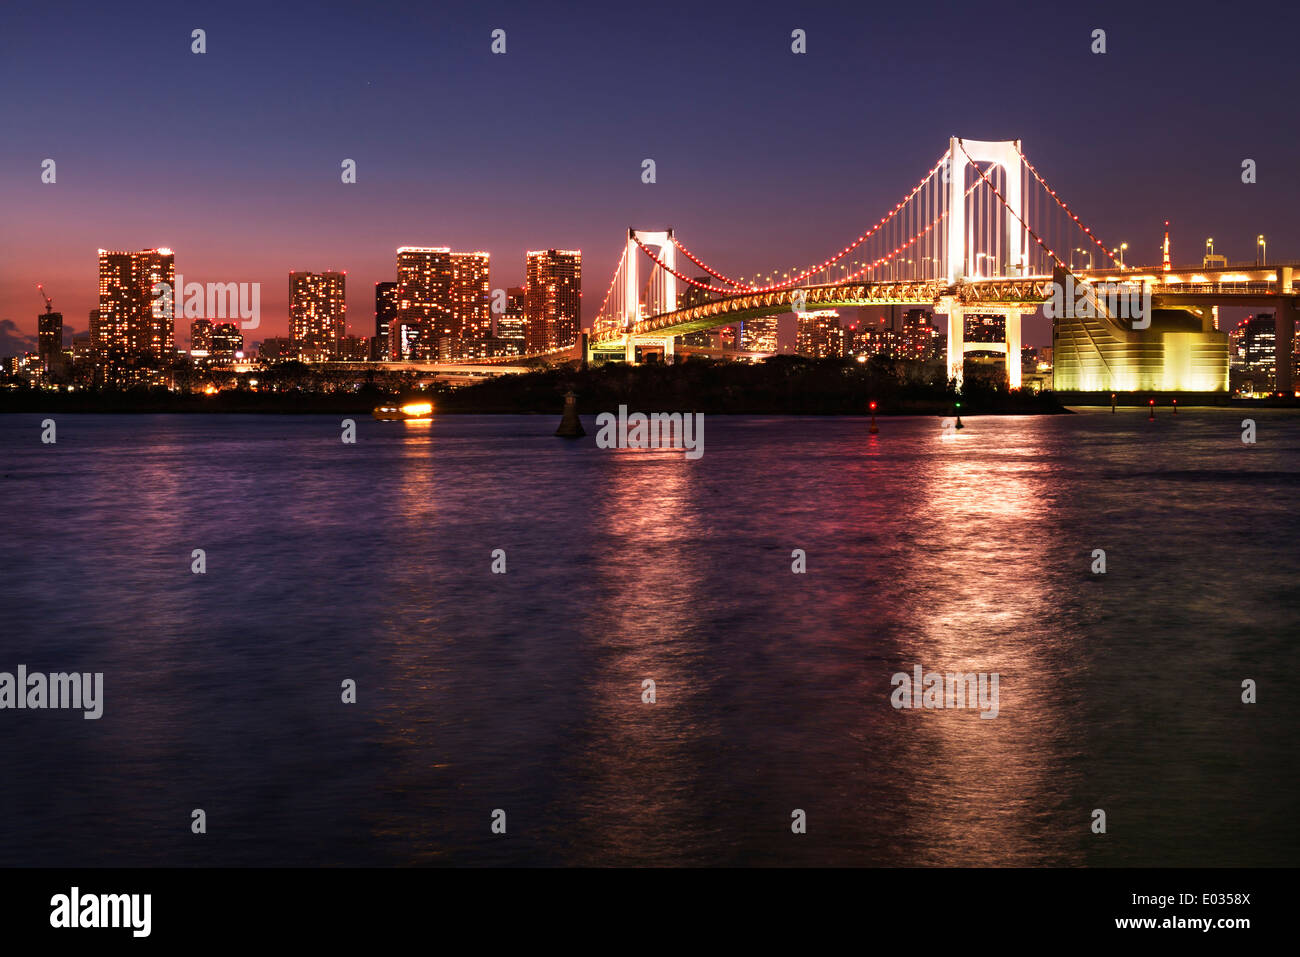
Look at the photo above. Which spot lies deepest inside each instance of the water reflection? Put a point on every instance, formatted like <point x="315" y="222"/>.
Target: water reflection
<point x="988" y="788"/>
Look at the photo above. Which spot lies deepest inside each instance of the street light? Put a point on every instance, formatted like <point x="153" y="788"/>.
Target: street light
<point x="1262" y="249"/>
<point x="1122" y="247"/>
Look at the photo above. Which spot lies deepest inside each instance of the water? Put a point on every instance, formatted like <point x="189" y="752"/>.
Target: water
<point x="523" y="691"/>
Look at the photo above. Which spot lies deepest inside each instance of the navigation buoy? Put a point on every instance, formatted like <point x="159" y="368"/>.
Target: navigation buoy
<point x="1112" y="403"/>
<point x="957" y="409"/>
<point x="873" y="428"/>
<point x="1152" y="416"/>
<point x="570" y="424"/>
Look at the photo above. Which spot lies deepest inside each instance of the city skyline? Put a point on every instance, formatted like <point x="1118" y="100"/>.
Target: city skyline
<point x="559" y="166"/>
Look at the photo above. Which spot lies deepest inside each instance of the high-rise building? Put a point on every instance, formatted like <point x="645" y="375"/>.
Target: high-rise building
<point x="424" y="279"/>
<point x="227" y="341"/>
<point x="385" y="310"/>
<point x="819" y="334"/>
<point x="759" y="334"/>
<point x="553" y="309"/>
<point x="93" y="326"/>
<point x="132" y="319"/>
<point x="49" y="338"/>
<point x="1252" y="350"/>
<point x="317" y="313"/>
<point x="985" y="328"/>
<point x="510" y="324"/>
<point x="201" y="338"/>
<point x="406" y="338"/>
<point x="471" y="316"/>
<point x="918" y="339"/>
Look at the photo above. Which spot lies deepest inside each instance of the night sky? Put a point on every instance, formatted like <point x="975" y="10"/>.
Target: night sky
<point x="765" y="159"/>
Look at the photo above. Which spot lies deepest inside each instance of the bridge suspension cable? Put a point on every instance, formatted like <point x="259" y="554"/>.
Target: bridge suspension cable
<point x="811" y="270"/>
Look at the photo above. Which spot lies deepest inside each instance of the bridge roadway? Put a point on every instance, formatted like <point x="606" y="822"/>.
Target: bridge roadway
<point x="1234" y="285"/>
<point x="1239" y="284"/>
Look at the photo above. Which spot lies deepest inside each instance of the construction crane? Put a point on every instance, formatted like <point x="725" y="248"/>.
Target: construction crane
<point x="49" y="303"/>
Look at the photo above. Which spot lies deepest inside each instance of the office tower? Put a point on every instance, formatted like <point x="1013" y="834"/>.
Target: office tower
<point x="759" y="334"/>
<point x="227" y="341"/>
<point x="385" y="308"/>
<point x="510" y="323"/>
<point x="201" y="338"/>
<point x="424" y="278"/>
<point x="132" y="319"/>
<point x="553" y="308"/>
<point x="49" y="338"/>
<point x="918" y="338"/>
<point x="471" y="317"/>
<point x="819" y="334"/>
<point x="317" y="313"/>
<point x="93" y="319"/>
<point x="985" y="328"/>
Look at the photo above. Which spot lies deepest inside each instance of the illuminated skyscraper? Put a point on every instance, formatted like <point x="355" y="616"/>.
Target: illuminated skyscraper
<point x="759" y="334"/>
<point x="424" y="278"/>
<point x="553" y="308"/>
<point x="385" y="310"/>
<point x="985" y="328"/>
<point x="132" y="320"/>
<point x="317" y="314"/>
<point x="918" y="338"/>
<point x="510" y="324"/>
<point x="819" y="334"/>
<point x="201" y="338"/>
<point x="227" y="341"/>
<point x="49" y="338"/>
<point x="471" y="317"/>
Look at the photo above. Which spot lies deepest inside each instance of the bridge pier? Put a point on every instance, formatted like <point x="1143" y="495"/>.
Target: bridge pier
<point x="1014" y="316"/>
<point x="1013" y="347"/>
<point x="1284" y="319"/>
<point x="956" y="340"/>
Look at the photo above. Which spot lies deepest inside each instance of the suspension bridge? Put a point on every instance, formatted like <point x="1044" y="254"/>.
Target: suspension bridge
<point x="982" y="232"/>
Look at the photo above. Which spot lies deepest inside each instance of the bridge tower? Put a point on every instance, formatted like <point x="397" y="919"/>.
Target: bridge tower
<point x="1006" y="154"/>
<point x="663" y="239"/>
<point x="962" y="153"/>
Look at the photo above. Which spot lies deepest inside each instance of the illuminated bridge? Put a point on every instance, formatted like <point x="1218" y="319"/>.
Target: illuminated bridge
<point x="982" y="232"/>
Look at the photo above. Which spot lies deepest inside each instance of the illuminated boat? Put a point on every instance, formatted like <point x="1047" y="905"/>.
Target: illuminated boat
<point x="417" y="409"/>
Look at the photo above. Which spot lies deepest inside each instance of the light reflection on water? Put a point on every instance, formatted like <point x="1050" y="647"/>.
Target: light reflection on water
<point x="523" y="691"/>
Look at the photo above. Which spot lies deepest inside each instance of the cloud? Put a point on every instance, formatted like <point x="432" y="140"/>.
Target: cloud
<point x="12" y="341"/>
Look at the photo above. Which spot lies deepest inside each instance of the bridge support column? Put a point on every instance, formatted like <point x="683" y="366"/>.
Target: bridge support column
<point x="956" y="342"/>
<point x="630" y="354"/>
<point x="670" y="344"/>
<point x="1013" y="348"/>
<point x="1284" y="319"/>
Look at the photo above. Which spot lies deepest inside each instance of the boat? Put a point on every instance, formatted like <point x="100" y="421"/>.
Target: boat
<point x="407" y="411"/>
